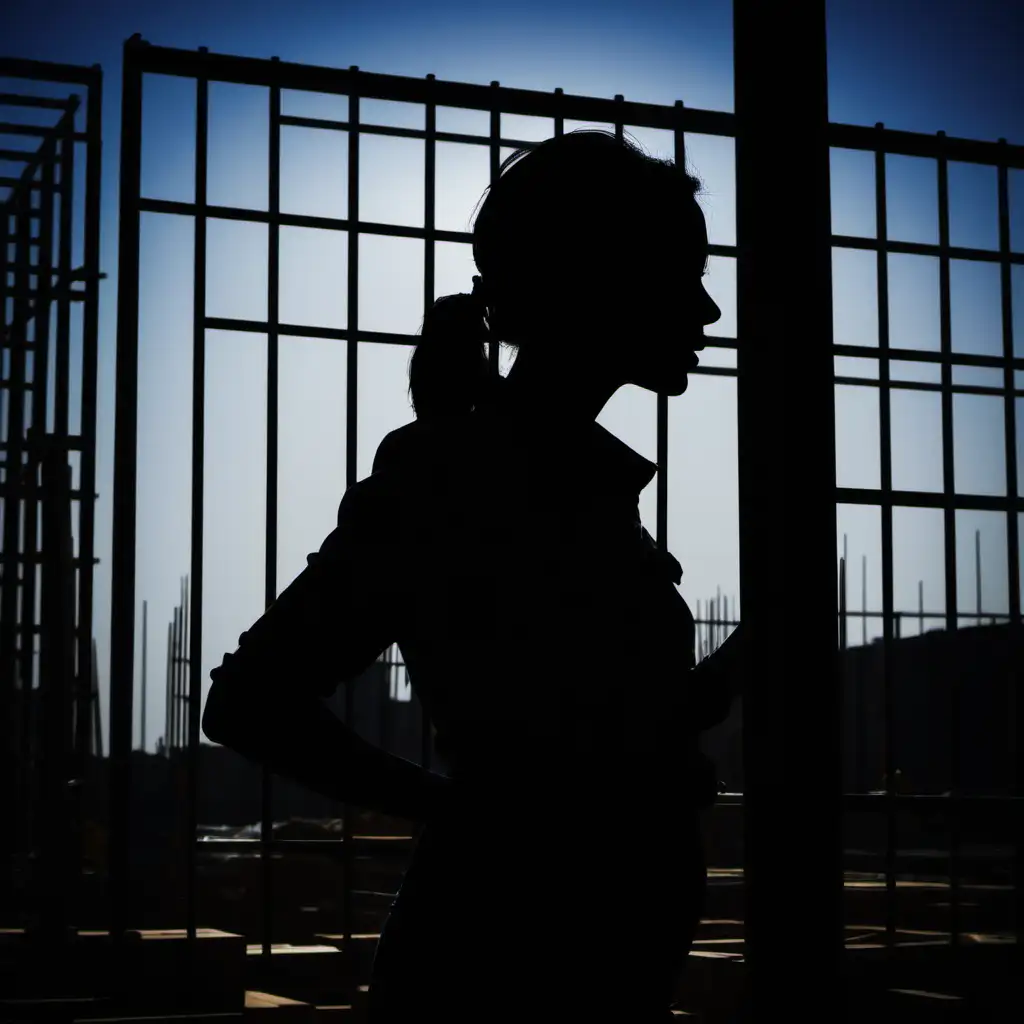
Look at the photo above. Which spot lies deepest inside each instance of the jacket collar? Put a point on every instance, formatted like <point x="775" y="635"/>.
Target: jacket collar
<point x="576" y="453"/>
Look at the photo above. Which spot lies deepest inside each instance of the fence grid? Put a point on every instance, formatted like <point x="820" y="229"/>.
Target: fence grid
<point x="141" y="59"/>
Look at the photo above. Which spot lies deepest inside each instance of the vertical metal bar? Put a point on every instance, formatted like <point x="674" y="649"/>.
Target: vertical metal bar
<point x="19" y="472"/>
<point x="195" y="650"/>
<point x="40" y="549"/>
<point x="167" y="688"/>
<point x="949" y="513"/>
<point x="94" y="705"/>
<point x="191" y="699"/>
<point x="1013" y="490"/>
<point x="494" y="151"/>
<point x="351" y="423"/>
<point x="977" y="573"/>
<point x="9" y="696"/>
<point x="30" y="512"/>
<point x="843" y="597"/>
<point x="184" y="685"/>
<point x="920" y="606"/>
<point x="885" y="466"/>
<point x="179" y="698"/>
<point x="193" y="656"/>
<point x="842" y="604"/>
<point x="270" y="582"/>
<point x="122" y="612"/>
<point x="87" y="427"/>
<point x="864" y="599"/>
<point x="429" y="195"/>
<point x="49" y="700"/>
<point x="787" y="506"/>
<point x="65" y="193"/>
<point x="145" y="659"/>
<point x="59" y="616"/>
<point x="175" y="670"/>
<point x="429" y="216"/>
<point x="559" y="119"/>
<point x="80" y="628"/>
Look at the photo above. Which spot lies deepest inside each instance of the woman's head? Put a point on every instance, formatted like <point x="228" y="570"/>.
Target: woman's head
<point x="583" y="239"/>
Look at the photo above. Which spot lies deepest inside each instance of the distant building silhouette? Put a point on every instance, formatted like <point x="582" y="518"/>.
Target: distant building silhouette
<point x="945" y="687"/>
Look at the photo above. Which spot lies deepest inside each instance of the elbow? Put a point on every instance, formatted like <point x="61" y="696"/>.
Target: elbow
<point x="222" y="720"/>
<point x="213" y="727"/>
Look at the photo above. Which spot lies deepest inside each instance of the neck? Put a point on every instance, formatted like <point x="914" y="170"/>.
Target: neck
<point x="549" y="383"/>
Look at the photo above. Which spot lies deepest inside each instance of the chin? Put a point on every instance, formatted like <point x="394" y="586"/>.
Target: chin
<point x="670" y="385"/>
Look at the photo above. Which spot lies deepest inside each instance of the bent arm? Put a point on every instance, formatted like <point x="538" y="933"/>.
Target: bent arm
<point x="303" y="740"/>
<point x="330" y="624"/>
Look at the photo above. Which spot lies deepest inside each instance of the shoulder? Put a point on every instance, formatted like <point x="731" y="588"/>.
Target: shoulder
<point x="372" y="508"/>
<point x="428" y="456"/>
<point x="399" y="447"/>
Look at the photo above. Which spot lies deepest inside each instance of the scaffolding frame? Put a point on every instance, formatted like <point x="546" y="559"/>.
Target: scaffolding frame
<point x="48" y="699"/>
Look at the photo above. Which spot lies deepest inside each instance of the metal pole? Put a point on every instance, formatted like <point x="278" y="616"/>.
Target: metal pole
<point x="787" y="492"/>
<point x="122" y="612"/>
<point x="142" y="714"/>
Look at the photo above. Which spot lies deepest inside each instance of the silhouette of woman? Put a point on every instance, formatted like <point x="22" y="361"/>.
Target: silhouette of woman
<point x="498" y="541"/>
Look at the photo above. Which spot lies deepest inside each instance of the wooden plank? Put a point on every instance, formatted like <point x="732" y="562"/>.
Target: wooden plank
<point x="285" y="1009"/>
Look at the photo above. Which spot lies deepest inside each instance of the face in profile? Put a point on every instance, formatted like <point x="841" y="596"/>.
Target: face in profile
<point x="667" y="308"/>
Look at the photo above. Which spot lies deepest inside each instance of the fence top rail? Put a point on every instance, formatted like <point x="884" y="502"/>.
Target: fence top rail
<point x="149" y="59"/>
<point x="903" y="143"/>
<point x="146" y="58"/>
<point x="47" y="71"/>
<point x="13" y="99"/>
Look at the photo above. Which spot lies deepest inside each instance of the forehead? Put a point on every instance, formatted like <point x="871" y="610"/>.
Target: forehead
<point x="694" y="228"/>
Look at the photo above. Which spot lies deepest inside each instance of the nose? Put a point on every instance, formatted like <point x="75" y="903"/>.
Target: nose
<point x="712" y="314"/>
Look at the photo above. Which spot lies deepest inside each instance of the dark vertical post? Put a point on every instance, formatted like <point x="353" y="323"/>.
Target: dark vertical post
<point x="22" y="460"/>
<point x="122" y="611"/>
<point x="270" y="544"/>
<point x="1013" y="487"/>
<point x="94" y="705"/>
<point x="42" y="553"/>
<point x="65" y="193"/>
<point x="885" y="474"/>
<point x="145" y="638"/>
<point x="167" y="688"/>
<point x="87" y="427"/>
<point x="9" y="697"/>
<point x="787" y="506"/>
<point x="429" y="256"/>
<point x="351" y="423"/>
<point x="977" y="573"/>
<point x="175" y="668"/>
<point x="55" y="664"/>
<point x="864" y="599"/>
<point x="494" y="153"/>
<point x="949" y="516"/>
<point x="186" y="673"/>
<point x="193" y="656"/>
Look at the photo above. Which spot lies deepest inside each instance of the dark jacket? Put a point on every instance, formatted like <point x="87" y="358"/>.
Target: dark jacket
<point x="539" y="623"/>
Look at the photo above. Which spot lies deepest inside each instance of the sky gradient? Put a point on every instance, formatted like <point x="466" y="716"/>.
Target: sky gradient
<point x="913" y="65"/>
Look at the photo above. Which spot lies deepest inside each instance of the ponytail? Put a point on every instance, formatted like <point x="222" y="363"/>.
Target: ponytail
<point x="448" y="372"/>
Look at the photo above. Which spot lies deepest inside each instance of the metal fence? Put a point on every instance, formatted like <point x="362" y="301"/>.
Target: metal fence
<point x="1001" y="813"/>
<point x="47" y="704"/>
<point x="141" y="59"/>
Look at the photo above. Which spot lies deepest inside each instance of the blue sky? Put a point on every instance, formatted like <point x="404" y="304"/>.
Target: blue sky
<point x="914" y="65"/>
